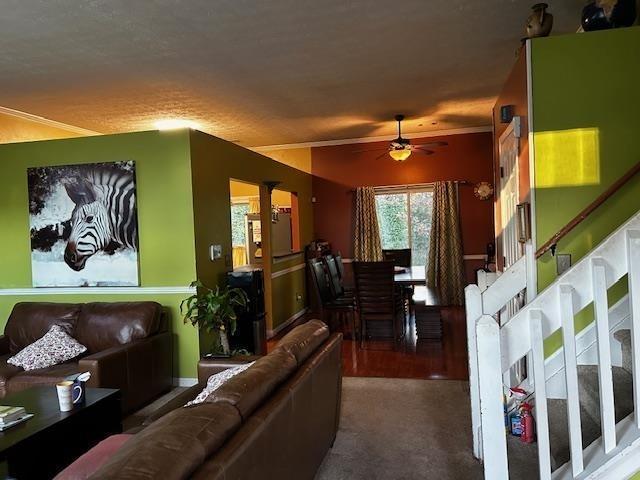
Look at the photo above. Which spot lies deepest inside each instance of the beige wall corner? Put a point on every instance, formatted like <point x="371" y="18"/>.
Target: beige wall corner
<point x="299" y="158"/>
<point x="18" y="126"/>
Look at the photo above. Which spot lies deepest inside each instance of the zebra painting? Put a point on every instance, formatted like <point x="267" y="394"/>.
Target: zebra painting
<point x="84" y="225"/>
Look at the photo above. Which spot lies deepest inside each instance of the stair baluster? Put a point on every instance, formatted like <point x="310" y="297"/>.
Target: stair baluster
<point x="633" y="263"/>
<point x="605" y="376"/>
<point x="542" y="417"/>
<point x="565" y="300"/>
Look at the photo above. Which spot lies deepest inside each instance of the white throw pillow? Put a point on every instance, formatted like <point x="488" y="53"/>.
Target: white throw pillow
<point x="55" y="347"/>
<point x="216" y="381"/>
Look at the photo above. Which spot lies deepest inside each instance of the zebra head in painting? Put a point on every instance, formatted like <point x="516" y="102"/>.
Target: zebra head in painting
<point x="104" y="215"/>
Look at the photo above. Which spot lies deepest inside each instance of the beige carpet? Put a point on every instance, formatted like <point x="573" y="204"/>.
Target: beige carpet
<point x="397" y="429"/>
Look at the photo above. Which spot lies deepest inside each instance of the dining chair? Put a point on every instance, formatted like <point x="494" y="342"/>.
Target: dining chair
<point x="340" y="265"/>
<point x="380" y="306"/>
<point x="342" y="309"/>
<point x="401" y="258"/>
<point x="335" y="279"/>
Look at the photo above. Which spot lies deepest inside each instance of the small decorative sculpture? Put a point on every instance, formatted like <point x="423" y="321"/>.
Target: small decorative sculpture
<point x="605" y="14"/>
<point x="540" y="22"/>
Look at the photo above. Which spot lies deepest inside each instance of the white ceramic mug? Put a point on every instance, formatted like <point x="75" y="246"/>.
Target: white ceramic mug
<point x="65" y="395"/>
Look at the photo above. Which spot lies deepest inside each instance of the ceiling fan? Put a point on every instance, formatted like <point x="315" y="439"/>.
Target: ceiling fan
<point x="401" y="148"/>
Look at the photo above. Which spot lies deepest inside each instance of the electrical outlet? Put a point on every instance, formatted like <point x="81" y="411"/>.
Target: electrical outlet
<point x="215" y="252"/>
<point x="563" y="262"/>
<point x="298" y="297"/>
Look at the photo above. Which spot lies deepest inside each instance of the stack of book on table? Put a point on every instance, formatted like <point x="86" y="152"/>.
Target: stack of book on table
<point x="10" y="416"/>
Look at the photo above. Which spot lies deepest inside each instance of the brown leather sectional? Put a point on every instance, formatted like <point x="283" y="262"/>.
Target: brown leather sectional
<point x="275" y="420"/>
<point x="128" y="347"/>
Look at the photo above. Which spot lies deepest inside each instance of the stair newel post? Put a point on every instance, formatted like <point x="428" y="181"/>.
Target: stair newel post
<point x="494" y="440"/>
<point x="633" y="263"/>
<point x="473" y="305"/>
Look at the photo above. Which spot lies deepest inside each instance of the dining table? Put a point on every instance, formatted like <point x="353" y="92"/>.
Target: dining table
<point x="416" y="276"/>
<point x="407" y="276"/>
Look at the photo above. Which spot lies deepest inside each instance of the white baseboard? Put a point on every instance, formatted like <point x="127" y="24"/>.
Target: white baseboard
<point x="184" y="381"/>
<point x="289" y="321"/>
<point x="586" y="347"/>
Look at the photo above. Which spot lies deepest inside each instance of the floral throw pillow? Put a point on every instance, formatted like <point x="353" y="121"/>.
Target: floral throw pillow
<point x="55" y="347"/>
<point x="216" y="381"/>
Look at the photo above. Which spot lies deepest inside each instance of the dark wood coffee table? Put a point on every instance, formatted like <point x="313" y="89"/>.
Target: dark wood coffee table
<point x="50" y="440"/>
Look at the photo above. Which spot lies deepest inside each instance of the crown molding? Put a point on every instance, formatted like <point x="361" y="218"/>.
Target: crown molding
<point x="46" y="121"/>
<point x="383" y="138"/>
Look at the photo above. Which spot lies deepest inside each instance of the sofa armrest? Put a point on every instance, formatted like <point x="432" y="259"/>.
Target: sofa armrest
<point x="211" y="366"/>
<point x="4" y="344"/>
<point x="141" y="370"/>
<point x="108" y="368"/>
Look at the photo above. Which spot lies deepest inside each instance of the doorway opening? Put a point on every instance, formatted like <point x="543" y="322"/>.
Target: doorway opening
<point x="246" y="233"/>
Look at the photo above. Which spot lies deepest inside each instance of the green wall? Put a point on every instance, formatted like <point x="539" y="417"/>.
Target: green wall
<point x="586" y="106"/>
<point x="214" y="163"/>
<point x="165" y="216"/>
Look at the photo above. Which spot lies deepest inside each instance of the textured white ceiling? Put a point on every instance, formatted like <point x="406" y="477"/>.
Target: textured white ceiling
<point x="263" y="72"/>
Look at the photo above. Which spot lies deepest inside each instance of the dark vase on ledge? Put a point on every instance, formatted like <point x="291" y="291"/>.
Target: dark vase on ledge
<point x="603" y="15"/>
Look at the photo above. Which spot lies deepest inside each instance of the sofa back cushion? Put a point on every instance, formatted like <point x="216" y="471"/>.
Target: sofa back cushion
<point x="249" y="389"/>
<point x="174" y="446"/>
<point x="30" y="321"/>
<point x="302" y="341"/>
<point x="105" y="325"/>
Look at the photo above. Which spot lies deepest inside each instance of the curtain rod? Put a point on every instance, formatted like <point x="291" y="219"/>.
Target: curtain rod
<point x="413" y="185"/>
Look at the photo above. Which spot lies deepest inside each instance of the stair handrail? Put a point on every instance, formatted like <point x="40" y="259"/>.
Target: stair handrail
<point x="613" y="248"/>
<point x="603" y="197"/>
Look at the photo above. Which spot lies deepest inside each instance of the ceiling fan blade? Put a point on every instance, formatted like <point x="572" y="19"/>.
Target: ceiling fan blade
<point x="370" y="150"/>
<point x="432" y="144"/>
<point x="380" y="156"/>
<point x="424" y="150"/>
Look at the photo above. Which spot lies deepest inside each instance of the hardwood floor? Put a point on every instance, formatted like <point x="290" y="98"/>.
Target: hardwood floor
<point x="444" y="359"/>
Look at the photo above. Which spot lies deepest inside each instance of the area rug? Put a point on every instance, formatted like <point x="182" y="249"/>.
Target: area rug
<point x="400" y="429"/>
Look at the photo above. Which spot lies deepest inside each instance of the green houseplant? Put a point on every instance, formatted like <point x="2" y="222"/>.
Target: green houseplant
<point x="214" y="311"/>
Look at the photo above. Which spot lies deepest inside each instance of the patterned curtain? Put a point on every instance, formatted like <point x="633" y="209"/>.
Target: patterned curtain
<point x="239" y="255"/>
<point x="366" y="244"/>
<point x="445" y="268"/>
<point x="254" y="205"/>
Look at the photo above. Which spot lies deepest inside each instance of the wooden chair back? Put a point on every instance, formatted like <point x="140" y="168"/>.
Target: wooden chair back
<point x="320" y="280"/>
<point x="377" y="301"/>
<point x="399" y="257"/>
<point x="340" y="265"/>
<point x="335" y="282"/>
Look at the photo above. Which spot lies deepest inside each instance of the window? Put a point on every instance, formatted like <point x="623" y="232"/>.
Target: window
<point x="404" y="215"/>
<point x="238" y="228"/>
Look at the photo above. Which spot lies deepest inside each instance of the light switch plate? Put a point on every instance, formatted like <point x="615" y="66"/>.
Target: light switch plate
<point x="563" y="262"/>
<point x="215" y="252"/>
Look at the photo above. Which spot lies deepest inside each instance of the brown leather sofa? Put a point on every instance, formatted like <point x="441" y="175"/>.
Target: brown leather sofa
<point x="128" y="347"/>
<point x="275" y="420"/>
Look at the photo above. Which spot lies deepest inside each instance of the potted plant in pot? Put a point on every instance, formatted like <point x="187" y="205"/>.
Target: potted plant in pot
<point x="214" y="311"/>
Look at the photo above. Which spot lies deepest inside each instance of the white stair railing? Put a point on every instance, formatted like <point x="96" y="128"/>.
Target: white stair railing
<point x="493" y="349"/>
<point x="489" y="302"/>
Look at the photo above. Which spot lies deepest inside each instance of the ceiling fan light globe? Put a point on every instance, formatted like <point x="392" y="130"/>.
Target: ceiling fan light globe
<point x="400" y="155"/>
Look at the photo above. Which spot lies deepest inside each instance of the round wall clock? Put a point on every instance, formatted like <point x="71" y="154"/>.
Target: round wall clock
<point x="483" y="190"/>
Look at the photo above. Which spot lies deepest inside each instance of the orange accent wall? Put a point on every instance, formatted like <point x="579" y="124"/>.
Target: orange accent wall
<point x="514" y="92"/>
<point x="339" y="169"/>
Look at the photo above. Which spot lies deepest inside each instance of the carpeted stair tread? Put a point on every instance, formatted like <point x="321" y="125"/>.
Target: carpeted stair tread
<point x="590" y="391"/>
<point x="524" y="457"/>
<point x="624" y="337"/>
